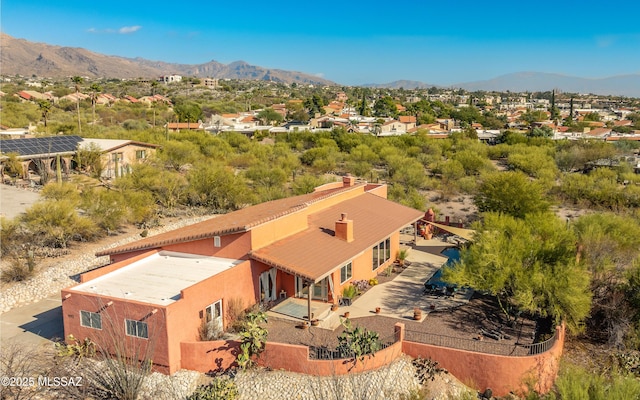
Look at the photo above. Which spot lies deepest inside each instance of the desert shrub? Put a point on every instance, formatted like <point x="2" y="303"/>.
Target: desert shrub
<point x="10" y="235"/>
<point x="75" y="348"/>
<point x="106" y="208"/>
<point x="24" y="361"/>
<point x="235" y="313"/>
<point x="61" y="191"/>
<point x="426" y="369"/>
<point x="209" y="331"/>
<point x="577" y="383"/>
<point x="221" y="388"/>
<point x="20" y="269"/>
<point x="55" y="223"/>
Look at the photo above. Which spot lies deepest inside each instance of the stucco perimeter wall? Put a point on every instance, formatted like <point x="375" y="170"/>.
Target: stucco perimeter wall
<point x="218" y="355"/>
<point x="295" y="358"/>
<point x="503" y="374"/>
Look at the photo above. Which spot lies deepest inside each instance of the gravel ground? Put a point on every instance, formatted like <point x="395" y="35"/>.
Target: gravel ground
<point x="464" y="322"/>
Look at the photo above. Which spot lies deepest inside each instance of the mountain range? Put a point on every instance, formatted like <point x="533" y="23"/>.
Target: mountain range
<point x="620" y="85"/>
<point x="19" y="56"/>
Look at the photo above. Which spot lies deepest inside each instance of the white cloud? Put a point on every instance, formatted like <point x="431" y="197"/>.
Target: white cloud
<point x="129" y="29"/>
<point x="125" y="30"/>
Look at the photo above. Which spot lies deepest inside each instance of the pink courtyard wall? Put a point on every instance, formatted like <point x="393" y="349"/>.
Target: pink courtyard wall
<point x="503" y="374"/>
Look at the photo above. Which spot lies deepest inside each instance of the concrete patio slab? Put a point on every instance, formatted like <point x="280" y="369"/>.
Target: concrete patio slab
<point x="398" y="298"/>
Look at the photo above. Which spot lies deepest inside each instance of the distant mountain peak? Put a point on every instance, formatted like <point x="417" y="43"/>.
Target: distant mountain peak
<point x="619" y="85"/>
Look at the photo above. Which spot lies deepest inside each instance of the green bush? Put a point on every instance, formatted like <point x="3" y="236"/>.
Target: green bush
<point x="221" y="388"/>
<point x="55" y="223"/>
<point x="350" y="292"/>
<point x="576" y="383"/>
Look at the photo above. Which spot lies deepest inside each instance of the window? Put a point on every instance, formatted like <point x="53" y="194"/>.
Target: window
<point x="137" y="328"/>
<point x="345" y="272"/>
<point x="216" y="241"/>
<point x="141" y="154"/>
<point x="381" y="253"/>
<point x="214" y="314"/>
<point x="90" y="319"/>
<point x="116" y="157"/>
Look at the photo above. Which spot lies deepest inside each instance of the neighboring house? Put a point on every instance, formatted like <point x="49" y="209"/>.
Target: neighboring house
<point x="211" y="83"/>
<point x="184" y="126"/>
<point x="129" y="99"/>
<point x="105" y="99"/>
<point x="75" y="97"/>
<point x="156" y="98"/>
<point x="39" y="155"/>
<point x="159" y="290"/>
<point x="599" y="133"/>
<point x="409" y="121"/>
<point x="170" y="78"/>
<point x="32" y="95"/>
<point x="393" y="127"/>
<point x="119" y="155"/>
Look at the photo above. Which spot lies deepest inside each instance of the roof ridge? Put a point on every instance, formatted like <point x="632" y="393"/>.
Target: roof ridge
<point x="242" y="228"/>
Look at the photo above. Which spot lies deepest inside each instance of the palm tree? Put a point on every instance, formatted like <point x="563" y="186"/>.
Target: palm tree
<point x="154" y="86"/>
<point x="95" y="89"/>
<point x="77" y="80"/>
<point x="45" y="107"/>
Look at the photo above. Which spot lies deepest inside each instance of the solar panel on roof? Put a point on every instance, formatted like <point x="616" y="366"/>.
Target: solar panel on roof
<point x="43" y="145"/>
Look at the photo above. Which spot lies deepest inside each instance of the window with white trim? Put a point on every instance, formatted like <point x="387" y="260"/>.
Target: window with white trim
<point x="381" y="253"/>
<point x="216" y="241"/>
<point x="137" y="328"/>
<point x="90" y="319"/>
<point x="346" y="272"/>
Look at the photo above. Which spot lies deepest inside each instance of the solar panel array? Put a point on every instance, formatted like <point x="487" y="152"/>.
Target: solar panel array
<point x="44" y="145"/>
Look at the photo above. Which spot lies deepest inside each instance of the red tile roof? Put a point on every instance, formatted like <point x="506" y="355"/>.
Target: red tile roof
<point x="407" y="119"/>
<point x="235" y="222"/>
<point x="598" y="132"/>
<point x="316" y="252"/>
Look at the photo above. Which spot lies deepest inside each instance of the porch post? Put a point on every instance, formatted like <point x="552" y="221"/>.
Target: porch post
<point x="309" y="302"/>
<point x="415" y="233"/>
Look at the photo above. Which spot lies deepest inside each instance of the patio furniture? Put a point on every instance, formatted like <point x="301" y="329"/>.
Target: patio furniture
<point x="345" y="301"/>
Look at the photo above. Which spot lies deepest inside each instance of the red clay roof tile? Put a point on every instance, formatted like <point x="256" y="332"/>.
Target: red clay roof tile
<point x="238" y="221"/>
<point x="316" y="252"/>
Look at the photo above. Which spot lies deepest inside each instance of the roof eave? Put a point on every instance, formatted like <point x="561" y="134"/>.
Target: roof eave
<point x="161" y="243"/>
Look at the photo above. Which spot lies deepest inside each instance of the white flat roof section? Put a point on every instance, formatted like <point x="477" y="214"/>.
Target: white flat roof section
<point x="157" y="279"/>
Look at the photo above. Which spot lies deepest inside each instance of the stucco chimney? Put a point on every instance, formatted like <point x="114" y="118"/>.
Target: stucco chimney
<point x="344" y="228"/>
<point x="348" y="180"/>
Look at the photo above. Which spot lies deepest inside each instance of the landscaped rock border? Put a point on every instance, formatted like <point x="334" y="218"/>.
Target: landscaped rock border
<point x="58" y="276"/>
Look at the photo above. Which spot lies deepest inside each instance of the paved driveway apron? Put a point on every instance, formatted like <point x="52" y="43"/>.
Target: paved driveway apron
<point x="33" y="323"/>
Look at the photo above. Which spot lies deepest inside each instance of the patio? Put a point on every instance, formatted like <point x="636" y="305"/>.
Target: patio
<point x="464" y="316"/>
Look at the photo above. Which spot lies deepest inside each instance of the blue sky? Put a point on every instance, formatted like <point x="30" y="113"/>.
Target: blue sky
<point x="350" y="42"/>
